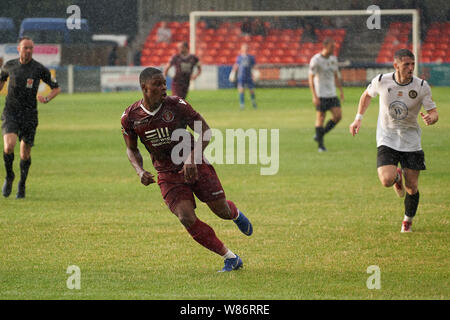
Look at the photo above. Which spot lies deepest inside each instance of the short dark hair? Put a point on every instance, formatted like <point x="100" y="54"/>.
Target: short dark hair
<point x="147" y="74"/>
<point x="399" y="54"/>
<point x="24" y="38"/>
<point x="327" y="41"/>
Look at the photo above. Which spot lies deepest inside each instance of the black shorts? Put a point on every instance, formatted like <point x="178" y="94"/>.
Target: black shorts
<point x="25" y="128"/>
<point x="328" y="103"/>
<point x="412" y="160"/>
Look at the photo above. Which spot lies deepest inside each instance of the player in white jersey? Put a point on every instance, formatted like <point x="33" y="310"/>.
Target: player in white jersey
<point x="323" y="78"/>
<point x="398" y="134"/>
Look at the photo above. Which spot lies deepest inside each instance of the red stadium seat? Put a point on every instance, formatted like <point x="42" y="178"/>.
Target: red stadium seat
<point x="173" y="24"/>
<point x="158" y="52"/>
<point x="225" y="52"/>
<point x="442" y="46"/>
<point x="256" y="45"/>
<point x="298" y="32"/>
<point x="214" y="45"/>
<point x="268" y="45"/>
<point x="383" y="60"/>
<point x="208" y="60"/>
<point x="282" y="45"/>
<point x="201" y="24"/>
<point x="262" y="60"/>
<point x="288" y="59"/>
<point x="427" y="53"/>
<point x="278" y="52"/>
<point x="258" y="38"/>
<point x="212" y="52"/>
<point x="222" y="31"/>
<point x="292" y="52"/>
<point x="307" y="45"/>
<point x="266" y="52"/>
<point x="275" y="60"/>
<point x="428" y="46"/>
<point x="439" y="53"/>
<point x="301" y="60"/>
<point x="146" y="52"/>
<point x="395" y="25"/>
<point x="220" y="38"/>
<point x="307" y="52"/>
<point x="433" y="38"/>
<point x="222" y="60"/>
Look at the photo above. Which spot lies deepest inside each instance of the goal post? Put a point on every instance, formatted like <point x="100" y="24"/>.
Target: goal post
<point x="195" y="16"/>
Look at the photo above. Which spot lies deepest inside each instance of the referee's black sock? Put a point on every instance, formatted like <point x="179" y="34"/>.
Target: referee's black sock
<point x="9" y="159"/>
<point x="411" y="204"/>
<point x="24" y="167"/>
<point x="330" y="125"/>
<point x="319" y="136"/>
<point x="319" y="133"/>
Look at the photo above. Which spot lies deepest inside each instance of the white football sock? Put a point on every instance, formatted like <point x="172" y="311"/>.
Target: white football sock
<point x="409" y="219"/>
<point x="229" y="255"/>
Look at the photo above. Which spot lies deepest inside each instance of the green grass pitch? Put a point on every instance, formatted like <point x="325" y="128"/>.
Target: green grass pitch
<point x="319" y="223"/>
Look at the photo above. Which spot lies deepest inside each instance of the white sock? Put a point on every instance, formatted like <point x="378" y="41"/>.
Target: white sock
<point x="409" y="219"/>
<point x="229" y="255"/>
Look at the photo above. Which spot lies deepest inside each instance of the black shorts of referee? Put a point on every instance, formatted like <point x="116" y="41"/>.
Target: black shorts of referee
<point x="326" y="104"/>
<point x="23" y="126"/>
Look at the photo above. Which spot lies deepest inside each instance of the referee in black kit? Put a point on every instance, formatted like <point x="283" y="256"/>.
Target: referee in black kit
<point x="20" y="115"/>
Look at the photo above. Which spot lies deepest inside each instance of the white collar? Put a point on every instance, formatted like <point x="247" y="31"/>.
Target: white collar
<point x="150" y="112"/>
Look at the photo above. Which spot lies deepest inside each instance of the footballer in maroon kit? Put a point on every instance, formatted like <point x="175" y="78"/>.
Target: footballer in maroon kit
<point x="184" y="64"/>
<point x="154" y="119"/>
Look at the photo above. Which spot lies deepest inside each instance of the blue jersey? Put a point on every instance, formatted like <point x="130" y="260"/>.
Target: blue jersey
<point x="245" y="64"/>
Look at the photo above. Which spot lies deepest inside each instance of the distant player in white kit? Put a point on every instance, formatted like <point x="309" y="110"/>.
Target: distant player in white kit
<point x="398" y="133"/>
<point x="323" y="78"/>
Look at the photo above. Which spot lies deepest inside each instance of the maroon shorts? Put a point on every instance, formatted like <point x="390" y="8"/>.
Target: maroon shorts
<point x="180" y="89"/>
<point x="207" y="188"/>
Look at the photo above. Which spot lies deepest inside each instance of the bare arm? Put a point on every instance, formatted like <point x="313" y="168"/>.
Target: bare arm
<point x="136" y="160"/>
<point x="364" y="103"/>
<point x="199" y="71"/>
<point x="50" y="96"/>
<point x="431" y="117"/>
<point x="166" y="69"/>
<point x="338" y="82"/>
<point x="315" y="99"/>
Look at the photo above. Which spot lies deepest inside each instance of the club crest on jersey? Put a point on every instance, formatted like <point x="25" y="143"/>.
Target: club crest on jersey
<point x="30" y="83"/>
<point x="167" y="116"/>
<point x="398" y="110"/>
<point x="412" y="94"/>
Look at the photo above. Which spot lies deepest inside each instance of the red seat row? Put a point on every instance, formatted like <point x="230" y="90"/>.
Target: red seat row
<point x="221" y="46"/>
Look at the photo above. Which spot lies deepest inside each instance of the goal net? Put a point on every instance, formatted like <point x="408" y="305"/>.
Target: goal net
<point x="283" y="42"/>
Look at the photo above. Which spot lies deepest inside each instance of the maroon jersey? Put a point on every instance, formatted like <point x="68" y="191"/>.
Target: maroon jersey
<point x="154" y="129"/>
<point x="184" y="66"/>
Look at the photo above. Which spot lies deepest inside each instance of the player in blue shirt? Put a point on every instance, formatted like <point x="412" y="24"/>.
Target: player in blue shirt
<point x="244" y="65"/>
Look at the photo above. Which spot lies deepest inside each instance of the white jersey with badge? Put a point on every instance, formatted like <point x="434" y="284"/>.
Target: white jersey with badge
<point x="400" y="105"/>
<point x="323" y="70"/>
